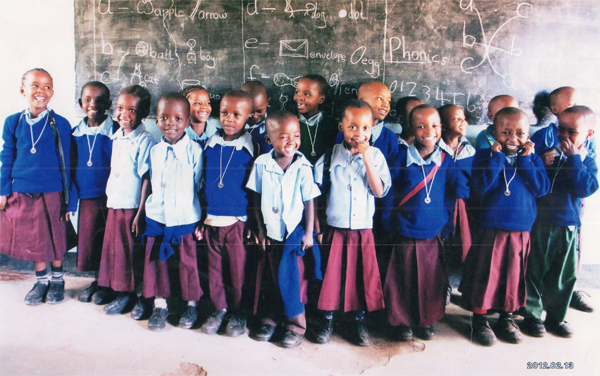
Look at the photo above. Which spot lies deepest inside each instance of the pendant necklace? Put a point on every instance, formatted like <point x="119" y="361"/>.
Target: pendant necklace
<point x="507" y="190"/>
<point x="221" y="172"/>
<point x="33" y="150"/>
<point x="427" y="199"/>
<point x="91" y="148"/>
<point x="275" y="208"/>
<point x="353" y="177"/>
<point x="311" y="139"/>
<point x="558" y="169"/>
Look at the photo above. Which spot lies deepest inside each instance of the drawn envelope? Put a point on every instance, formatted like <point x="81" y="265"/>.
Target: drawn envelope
<point x="293" y="48"/>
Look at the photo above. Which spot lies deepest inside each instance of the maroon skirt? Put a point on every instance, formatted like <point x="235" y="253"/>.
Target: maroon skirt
<point x="31" y="228"/>
<point x="122" y="261"/>
<point x="352" y="273"/>
<point x="459" y="241"/>
<point x="415" y="284"/>
<point x="494" y="271"/>
<point x="90" y="229"/>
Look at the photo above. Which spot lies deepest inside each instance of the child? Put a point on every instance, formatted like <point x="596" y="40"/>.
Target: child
<point x="485" y="139"/>
<point x="318" y="132"/>
<point x="228" y="160"/>
<point x="403" y="108"/>
<point x="357" y="174"/>
<point x="256" y="121"/>
<point x="508" y="178"/>
<point x="172" y="214"/>
<point x="202" y="126"/>
<point x="423" y="180"/>
<point x="285" y="188"/>
<point x="552" y="263"/>
<point x="91" y="148"/>
<point x="34" y="187"/>
<point x="121" y="264"/>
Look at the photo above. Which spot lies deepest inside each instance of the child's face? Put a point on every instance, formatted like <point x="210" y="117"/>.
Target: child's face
<point x="403" y="118"/>
<point x="574" y="128"/>
<point x="171" y="119"/>
<point x="568" y="98"/>
<point x="259" y="109"/>
<point x="94" y="102"/>
<point x="38" y="89"/>
<point x="234" y="114"/>
<point x="128" y="112"/>
<point x="307" y="97"/>
<point x="357" y="125"/>
<point x="512" y="132"/>
<point x="454" y="121"/>
<point x="286" y="138"/>
<point x="426" y="127"/>
<point x="497" y="104"/>
<point x="199" y="106"/>
<point x="378" y="96"/>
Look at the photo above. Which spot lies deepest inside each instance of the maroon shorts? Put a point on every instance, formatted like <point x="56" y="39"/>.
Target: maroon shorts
<point x="31" y="229"/>
<point x="90" y="229"/>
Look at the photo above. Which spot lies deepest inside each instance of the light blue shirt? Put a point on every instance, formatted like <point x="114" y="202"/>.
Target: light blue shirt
<point x="286" y="191"/>
<point x="352" y="208"/>
<point x="105" y="129"/>
<point x="212" y="125"/>
<point x="465" y="151"/>
<point x="129" y="162"/>
<point x="376" y="131"/>
<point x="413" y="156"/>
<point x="31" y="121"/>
<point x="176" y="178"/>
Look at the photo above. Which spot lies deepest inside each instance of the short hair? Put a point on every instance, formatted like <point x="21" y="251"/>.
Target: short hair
<point x="321" y="81"/>
<point x="96" y="84"/>
<point x="401" y="105"/>
<point x="275" y="119"/>
<point x="254" y="88"/>
<point x="353" y="103"/>
<point x="418" y="108"/>
<point x="557" y="93"/>
<point x="143" y="94"/>
<point x="588" y="115"/>
<point x="510" y="111"/>
<point x="34" y="70"/>
<point x="444" y="108"/>
<point x="541" y="105"/>
<point x="175" y="96"/>
<point x="190" y="89"/>
<point x="240" y="94"/>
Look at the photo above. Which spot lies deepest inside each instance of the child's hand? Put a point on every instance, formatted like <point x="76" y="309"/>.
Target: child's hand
<point x="362" y="147"/>
<point x="548" y="157"/>
<point x="135" y="225"/>
<point x="66" y="216"/>
<point x="528" y="148"/>
<point x="497" y="146"/>
<point x="569" y="148"/>
<point x="251" y="236"/>
<point x="263" y="241"/>
<point x="307" y="241"/>
<point x="3" y="201"/>
<point x="198" y="231"/>
<point x="319" y="239"/>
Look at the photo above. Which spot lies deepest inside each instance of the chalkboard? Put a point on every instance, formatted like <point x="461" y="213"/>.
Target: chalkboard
<point x="462" y="51"/>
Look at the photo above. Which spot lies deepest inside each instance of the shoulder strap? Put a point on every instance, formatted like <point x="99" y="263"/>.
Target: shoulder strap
<point x="61" y="159"/>
<point x="421" y="185"/>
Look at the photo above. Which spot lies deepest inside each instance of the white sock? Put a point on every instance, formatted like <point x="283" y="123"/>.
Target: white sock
<point x="160" y="303"/>
<point x="192" y="304"/>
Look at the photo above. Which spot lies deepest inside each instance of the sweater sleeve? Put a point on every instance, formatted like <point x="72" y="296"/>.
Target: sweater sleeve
<point x="8" y="154"/>
<point x="533" y="172"/>
<point x="583" y="175"/>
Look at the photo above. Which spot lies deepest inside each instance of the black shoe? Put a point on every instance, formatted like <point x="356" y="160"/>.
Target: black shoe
<point x="291" y="339"/>
<point x="56" y="292"/>
<point x="236" y="324"/>
<point x="141" y="309"/>
<point x="37" y="295"/>
<point x="405" y="333"/>
<point x="426" y="332"/>
<point x="507" y="330"/>
<point x="86" y="295"/>
<point x="264" y="333"/>
<point x="362" y="334"/>
<point x="448" y="294"/>
<point x="117" y="306"/>
<point x="103" y="295"/>
<point x="482" y="333"/>
<point x="579" y="302"/>
<point x="561" y="329"/>
<point x="189" y="318"/>
<point x="532" y="326"/>
<point x="158" y="320"/>
<point x="213" y="322"/>
<point x="325" y="331"/>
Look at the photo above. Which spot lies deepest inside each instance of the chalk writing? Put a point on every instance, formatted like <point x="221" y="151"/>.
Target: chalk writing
<point x="281" y="79"/>
<point x="373" y="69"/>
<point x="412" y="56"/>
<point x="310" y="9"/>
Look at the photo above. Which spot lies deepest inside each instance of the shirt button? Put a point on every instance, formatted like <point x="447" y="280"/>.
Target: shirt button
<point x="354" y="179"/>
<point x="354" y="198"/>
<point x="117" y="175"/>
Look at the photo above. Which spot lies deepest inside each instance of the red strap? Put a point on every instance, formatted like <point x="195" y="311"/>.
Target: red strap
<point x="420" y="186"/>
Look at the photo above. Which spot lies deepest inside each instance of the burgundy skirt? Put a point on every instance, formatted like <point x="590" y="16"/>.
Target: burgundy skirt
<point x="415" y="284"/>
<point x="352" y="273"/>
<point x="459" y="241"/>
<point x="90" y="229"/>
<point x="122" y="261"/>
<point x="31" y="229"/>
<point x="494" y="271"/>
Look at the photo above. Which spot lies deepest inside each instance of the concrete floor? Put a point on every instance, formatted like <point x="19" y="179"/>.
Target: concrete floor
<point x="73" y="338"/>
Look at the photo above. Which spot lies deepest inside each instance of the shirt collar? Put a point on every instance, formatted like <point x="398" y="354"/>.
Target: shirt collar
<point x="376" y="131"/>
<point x="273" y="166"/>
<point x="104" y="129"/>
<point x="583" y="154"/>
<point x="512" y="159"/>
<point x="133" y="135"/>
<point x="180" y="147"/>
<point x="413" y="156"/>
<point x="314" y="120"/>
<point x="244" y="141"/>
<point x="442" y="144"/>
<point x="31" y="121"/>
<point x="341" y="156"/>
<point x="194" y="136"/>
<point x="261" y="126"/>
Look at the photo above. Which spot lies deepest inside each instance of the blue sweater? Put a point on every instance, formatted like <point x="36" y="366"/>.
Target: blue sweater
<point x="518" y="211"/>
<point x="25" y="172"/>
<point x="547" y="138"/>
<point x="416" y="219"/>
<point x="575" y="179"/>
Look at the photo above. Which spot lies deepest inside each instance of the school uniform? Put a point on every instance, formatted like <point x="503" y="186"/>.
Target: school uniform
<point x="211" y="127"/>
<point x="172" y="212"/>
<point x="547" y="138"/>
<point x="228" y="165"/>
<point x="318" y="133"/>
<point x="31" y="177"/>
<point x="415" y="283"/>
<point x="121" y="264"/>
<point x="552" y="264"/>
<point x="282" y="275"/>
<point x="91" y="150"/>
<point x="381" y="137"/>
<point x="508" y="186"/>
<point x="350" y="211"/>
<point x="259" y="137"/>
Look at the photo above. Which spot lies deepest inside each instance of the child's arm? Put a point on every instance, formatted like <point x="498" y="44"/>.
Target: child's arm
<point x="487" y="169"/>
<point x="263" y="241"/>
<point x="135" y="227"/>
<point x="3" y="200"/>
<point x="375" y="183"/>
<point x="582" y="174"/>
<point x="533" y="172"/>
<point x="7" y="158"/>
<point x="309" y="216"/>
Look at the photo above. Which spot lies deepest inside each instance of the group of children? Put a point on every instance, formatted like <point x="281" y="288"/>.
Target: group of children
<point x="374" y="210"/>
